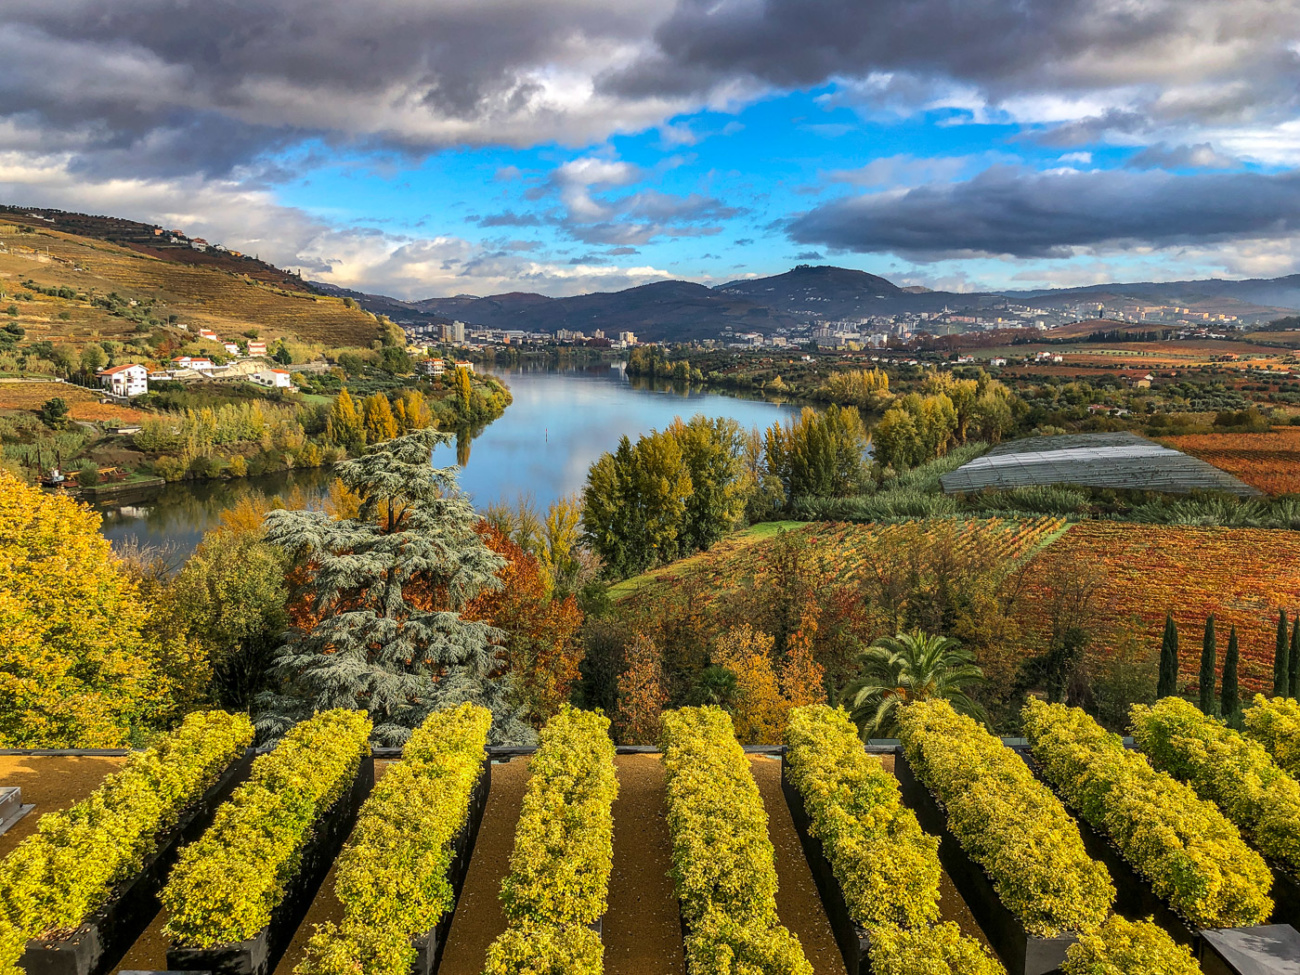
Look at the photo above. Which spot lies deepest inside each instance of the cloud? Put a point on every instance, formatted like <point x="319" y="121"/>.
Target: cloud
<point x="1164" y="156"/>
<point x="1007" y="211"/>
<point x="902" y="169"/>
<point x="508" y="218"/>
<point x="808" y="256"/>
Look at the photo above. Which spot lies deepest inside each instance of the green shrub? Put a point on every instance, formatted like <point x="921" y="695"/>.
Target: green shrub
<point x="929" y="951"/>
<point x="537" y="948"/>
<point x="1121" y="947"/>
<point x="225" y="885"/>
<point x="1007" y="821"/>
<point x="392" y="877"/>
<point x="1275" y="724"/>
<point x="564" y="841"/>
<point x="888" y="867"/>
<point x="70" y="866"/>
<point x="723" y="860"/>
<point x="1233" y="772"/>
<point x="1194" y="858"/>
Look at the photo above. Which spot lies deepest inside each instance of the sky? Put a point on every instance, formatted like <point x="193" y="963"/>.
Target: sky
<point x="425" y="148"/>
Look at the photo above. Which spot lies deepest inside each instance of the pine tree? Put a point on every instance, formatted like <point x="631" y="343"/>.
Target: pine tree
<point x="1230" y="699"/>
<point x="1208" y="653"/>
<point x="1281" y="658"/>
<point x="1168" y="684"/>
<point x="1293" y="661"/>
<point x="359" y="641"/>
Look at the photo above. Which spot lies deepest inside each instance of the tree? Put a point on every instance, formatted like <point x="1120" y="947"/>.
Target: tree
<point x="760" y="708"/>
<point x="1167" y="686"/>
<point x="344" y="425"/>
<point x="712" y="452"/>
<point x="357" y="640"/>
<point x="75" y="670"/>
<point x="916" y="666"/>
<point x="1282" y="658"/>
<point x="464" y="390"/>
<point x="54" y="413"/>
<point x="1208" y="655"/>
<point x="819" y="454"/>
<point x="380" y="424"/>
<point x="641" y="694"/>
<point x="92" y="358"/>
<point x="1231" y="695"/>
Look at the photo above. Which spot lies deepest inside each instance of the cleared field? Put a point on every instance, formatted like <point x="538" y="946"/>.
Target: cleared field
<point x="226" y="302"/>
<point x="83" y="404"/>
<point x="1268" y="461"/>
<point x="1241" y="575"/>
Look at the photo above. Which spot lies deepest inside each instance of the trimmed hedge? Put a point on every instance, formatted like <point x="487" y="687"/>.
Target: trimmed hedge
<point x="1228" y="769"/>
<point x="886" y="865"/>
<point x="392" y="877"/>
<point x="1007" y="821"/>
<point x="564" y="849"/>
<point x="1121" y="947"/>
<point x="226" y="885"/>
<point x="1275" y="724"/>
<point x="69" y="868"/>
<point x="1193" y="856"/>
<point x="929" y="951"/>
<point x="723" y="861"/>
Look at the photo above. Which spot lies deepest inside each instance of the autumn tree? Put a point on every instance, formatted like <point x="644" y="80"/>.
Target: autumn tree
<point x="358" y="640"/>
<point x="75" y="671"/>
<point x="464" y="389"/>
<point x="802" y="677"/>
<point x="344" y="424"/>
<point x="760" y="711"/>
<point x="819" y="455"/>
<point x="641" y="694"/>
<point x="379" y="422"/>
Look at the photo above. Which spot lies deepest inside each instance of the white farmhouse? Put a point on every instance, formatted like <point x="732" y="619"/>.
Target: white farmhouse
<point x="273" y="378"/>
<point x="125" y="380"/>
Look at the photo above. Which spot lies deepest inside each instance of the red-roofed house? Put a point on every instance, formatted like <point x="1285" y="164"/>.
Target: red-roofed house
<point x="125" y="380"/>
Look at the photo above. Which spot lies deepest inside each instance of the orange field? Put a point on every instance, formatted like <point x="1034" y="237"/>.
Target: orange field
<point x="83" y="404"/>
<point x="1241" y="575"/>
<point x="1268" y="461"/>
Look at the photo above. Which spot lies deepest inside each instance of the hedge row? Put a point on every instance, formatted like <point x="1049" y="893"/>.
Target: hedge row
<point x="1007" y="821"/>
<point x="226" y="884"/>
<point x="1233" y="772"/>
<point x="564" y="849"/>
<point x="886" y="865"/>
<point x="1275" y="724"/>
<point x="1130" y="948"/>
<point x="1193" y="856"/>
<point x="68" y="869"/>
<point x="723" y="861"/>
<point x="392" y="877"/>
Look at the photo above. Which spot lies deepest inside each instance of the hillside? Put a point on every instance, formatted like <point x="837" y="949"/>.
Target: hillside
<point x="72" y="276"/>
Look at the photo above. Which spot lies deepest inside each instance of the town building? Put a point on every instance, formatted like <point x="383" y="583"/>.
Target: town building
<point x="430" y="367"/>
<point x="125" y="380"/>
<point x="273" y="378"/>
<point x="257" y="348"/>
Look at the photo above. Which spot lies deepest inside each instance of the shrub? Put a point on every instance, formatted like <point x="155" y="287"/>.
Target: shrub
<point x="723" y="860"/>
<point x="537" y="948"/>
<point x="1007" y="821"/>
<point x="929" y="951"/>
<point x="70" y="866"/>
<point x="225" y="885"/>
<point x="888" y="867"/>
<point x="1194" y="858"/>
<point x="1275" y="724"/>
<point x="393" y="874"/>
<point x="1233" y="772"/>
<point x="1121" y="947"/>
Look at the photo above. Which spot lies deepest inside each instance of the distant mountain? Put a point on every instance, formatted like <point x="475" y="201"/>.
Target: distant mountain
<point x="1263" y="293"/>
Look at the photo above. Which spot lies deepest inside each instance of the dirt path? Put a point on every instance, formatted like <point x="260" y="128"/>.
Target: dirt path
<point x="51" y="782"/>
<point x="797" y="901"/>
<point x="643" y="934"/>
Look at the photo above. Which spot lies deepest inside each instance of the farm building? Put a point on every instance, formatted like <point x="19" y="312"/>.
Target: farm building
<point x="1120" y="461"/>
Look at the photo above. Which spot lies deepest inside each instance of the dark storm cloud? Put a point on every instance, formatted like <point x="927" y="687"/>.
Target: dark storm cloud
<point x="1005" y="211"/>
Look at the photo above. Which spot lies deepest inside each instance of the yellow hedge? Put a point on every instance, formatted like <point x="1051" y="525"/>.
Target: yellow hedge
<point x="225" y="885"/>
<point x="1007" y="821"/>
<point x="1121" y="947"/>
<point x="65" y="871"/>
<point x="1228" y="769"/>
<point x="1275" y="724"/>
<point x="1193" y="856"/>
<point x="392" y="876"/>
<point x="723" y="861"/>
<point x="938" y="950"/>
<point x="537" y="948"/>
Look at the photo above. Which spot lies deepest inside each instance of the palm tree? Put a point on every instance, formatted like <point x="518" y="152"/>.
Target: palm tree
<point x="908" y="667"/>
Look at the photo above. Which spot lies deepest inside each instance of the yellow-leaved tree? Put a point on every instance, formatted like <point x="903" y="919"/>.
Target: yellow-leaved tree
<point x="75" y="671"/>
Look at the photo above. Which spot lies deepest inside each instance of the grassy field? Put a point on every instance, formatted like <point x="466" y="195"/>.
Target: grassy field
<point x="201" y="297"/>
<point x="83" y="404"/>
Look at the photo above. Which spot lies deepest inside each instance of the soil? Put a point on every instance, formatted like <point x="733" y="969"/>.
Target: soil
<point x="797" y="902"/>
<point x="643" y="934"/>
<point x="52" y="782"/>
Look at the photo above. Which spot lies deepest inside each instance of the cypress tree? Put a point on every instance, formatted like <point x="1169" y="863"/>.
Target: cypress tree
<point x="1294" y="660"/>
<point x="1207" y="667"/>
<point x="1281" y="659"/>
<point x="1168" y="683"/>
<point x="1230" y="698"/>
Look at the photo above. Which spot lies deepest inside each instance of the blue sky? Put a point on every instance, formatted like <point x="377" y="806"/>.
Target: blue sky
<point x="564" y="146"/>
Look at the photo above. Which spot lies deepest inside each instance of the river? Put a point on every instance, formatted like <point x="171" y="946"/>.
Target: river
<point x="560" y="422"/>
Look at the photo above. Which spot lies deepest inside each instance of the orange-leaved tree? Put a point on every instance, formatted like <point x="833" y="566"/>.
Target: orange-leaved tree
<point x="641" y="694"/>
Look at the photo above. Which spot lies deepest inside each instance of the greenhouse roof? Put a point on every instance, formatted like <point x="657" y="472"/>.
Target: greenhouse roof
<point x="1122" y="461"/>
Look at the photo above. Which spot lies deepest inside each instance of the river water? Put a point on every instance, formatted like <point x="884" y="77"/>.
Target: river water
<point x="560" y="422"/>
